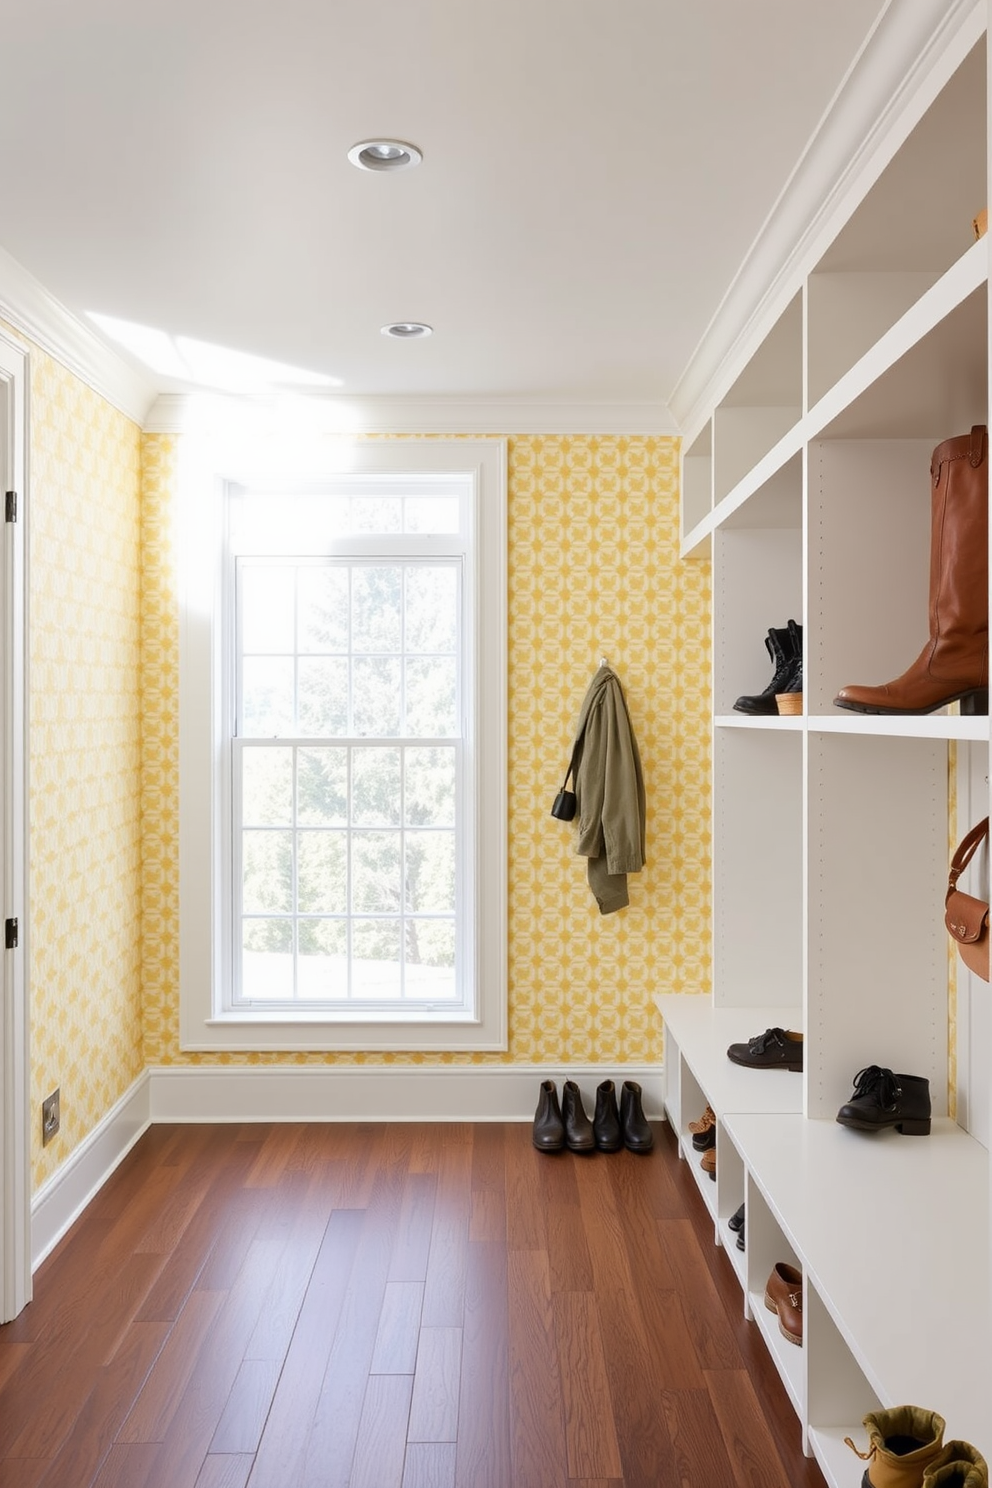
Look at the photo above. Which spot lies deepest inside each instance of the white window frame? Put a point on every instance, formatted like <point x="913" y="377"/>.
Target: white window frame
<point x="207" y="1021"/>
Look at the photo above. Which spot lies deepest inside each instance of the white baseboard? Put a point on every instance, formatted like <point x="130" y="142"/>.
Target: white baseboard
<point x="384" y="1092"/>
<point x="60" y="1201"/>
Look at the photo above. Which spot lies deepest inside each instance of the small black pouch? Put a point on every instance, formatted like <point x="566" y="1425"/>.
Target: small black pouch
<point x="565" y="802"/>
<point x="564" y="806"/>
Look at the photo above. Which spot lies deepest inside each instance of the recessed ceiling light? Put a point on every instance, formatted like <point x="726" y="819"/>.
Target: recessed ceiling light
<point x="384" y="155"/>
<point x="407" y="330"/>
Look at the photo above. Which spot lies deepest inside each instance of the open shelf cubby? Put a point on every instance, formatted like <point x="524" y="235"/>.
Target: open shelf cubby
<point x="810" y="487"/>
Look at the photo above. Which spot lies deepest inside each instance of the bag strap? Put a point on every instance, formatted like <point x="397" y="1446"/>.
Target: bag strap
<point x="966" y="851"/>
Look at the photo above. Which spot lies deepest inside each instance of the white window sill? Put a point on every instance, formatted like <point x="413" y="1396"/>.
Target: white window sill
<point x="247" y="1031"/>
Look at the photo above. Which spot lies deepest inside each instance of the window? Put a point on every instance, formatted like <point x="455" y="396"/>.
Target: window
<point x="354" y="658"/>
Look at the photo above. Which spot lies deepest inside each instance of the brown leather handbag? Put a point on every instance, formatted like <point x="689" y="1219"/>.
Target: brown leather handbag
<point x="967" y="918"/>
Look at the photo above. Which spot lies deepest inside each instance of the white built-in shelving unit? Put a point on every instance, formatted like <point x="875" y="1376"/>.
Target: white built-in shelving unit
<point x="808" y="481"/>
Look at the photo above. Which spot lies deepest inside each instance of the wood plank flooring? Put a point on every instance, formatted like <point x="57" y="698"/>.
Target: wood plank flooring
<point x="390" y="1306"/>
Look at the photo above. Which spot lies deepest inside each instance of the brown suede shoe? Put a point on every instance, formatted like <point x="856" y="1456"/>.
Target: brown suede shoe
<point x="905" y="1445"/>
<point x="784" y="1295"/>
<point x="704" y="1131"/>
<point x="965" y="1468"/>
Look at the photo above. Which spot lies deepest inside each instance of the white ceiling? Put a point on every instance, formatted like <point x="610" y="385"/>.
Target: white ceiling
<point x="594" y="172"/>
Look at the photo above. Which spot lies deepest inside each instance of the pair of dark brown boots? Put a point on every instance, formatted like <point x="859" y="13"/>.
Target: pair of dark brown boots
<point x="567" y="1125"/>
<point x="906" y="1449"/>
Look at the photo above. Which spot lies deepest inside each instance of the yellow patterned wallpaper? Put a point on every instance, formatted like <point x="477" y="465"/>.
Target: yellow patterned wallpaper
<point x="85" y="756"/>
<point x="593" y="570"/>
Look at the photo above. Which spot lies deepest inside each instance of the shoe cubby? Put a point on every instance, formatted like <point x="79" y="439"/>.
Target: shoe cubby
<point x="697" y="1073"/>
<point x="758" y="869"/>
<point x="757" y="586"/>
<point x="877" y="977"/>
<point x="912" y="227"/>
<point x="767" y="1246"/>
<point x="763" y="404"/>
<point x="971" y="1004"/>
<point x="864" y="1217"/>
<point x="697" y="480"/>
<point x="833" y="830"/>
<point x="869" y="506"/>
<point x="838" y="1395"/>
<point x="732" y="1187"/>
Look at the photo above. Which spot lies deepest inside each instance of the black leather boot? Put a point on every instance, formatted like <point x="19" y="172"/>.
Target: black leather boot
<point x="579" y="1135"/>
<point x="882" y="1098"/>
<point x="637" y="1133"/>
<point x="549" y="1129"/>
<point x="789" y="699"/>
<point x="785" y="648"/>
<point x="606" y="1122"/>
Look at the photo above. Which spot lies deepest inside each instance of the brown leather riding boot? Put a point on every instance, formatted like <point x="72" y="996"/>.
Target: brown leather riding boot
<point x="904" y="1444"/>
<point x="954" y="664"/>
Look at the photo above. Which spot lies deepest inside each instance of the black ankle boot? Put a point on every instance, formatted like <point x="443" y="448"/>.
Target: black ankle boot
<point x="785" y="650"/>
<point x="549" y="1129"/>
<point x="882" y="1098"/>
<point x="637" y="1133"/>
<point x="579" y="1136"/>
<point x="606" y="1122"/>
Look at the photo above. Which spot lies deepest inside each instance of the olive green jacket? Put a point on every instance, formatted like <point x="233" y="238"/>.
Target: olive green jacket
<point x="609" y="790"/>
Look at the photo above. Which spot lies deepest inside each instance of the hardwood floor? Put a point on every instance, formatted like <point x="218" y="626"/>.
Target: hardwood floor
<point x="390" y="1306"/>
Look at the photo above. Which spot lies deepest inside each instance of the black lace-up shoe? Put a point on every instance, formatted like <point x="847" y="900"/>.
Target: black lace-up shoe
<point x="882" y="1098"/>
<point x="776" y="1048"/>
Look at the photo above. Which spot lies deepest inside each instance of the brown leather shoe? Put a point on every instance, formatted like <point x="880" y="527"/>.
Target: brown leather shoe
<point x="784" y="1295"/>
<point x="708" y="1162"/>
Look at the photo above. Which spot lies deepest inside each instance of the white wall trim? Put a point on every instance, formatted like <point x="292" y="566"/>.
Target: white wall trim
<point x="910" y="53"/>
<point x="171" y="413"/>
<point x="60" y="1201"/>
<point x="227" y="1093"/>
<point x="384" y="1092"/>
<point x="15" y="1058"/>
<point x="30" y="309"/>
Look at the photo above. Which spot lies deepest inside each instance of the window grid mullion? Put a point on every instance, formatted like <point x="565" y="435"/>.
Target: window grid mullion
<point x="352" y="745"/>
<point x="403" y="906"/>
<point x="349" y="875"/>
<point x="295" y="922"/>
<point x="404" y="573"/>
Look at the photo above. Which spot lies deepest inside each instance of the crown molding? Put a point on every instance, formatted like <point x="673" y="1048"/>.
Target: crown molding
<point x="38" y="316"/>
<point x="173" y="413"/>
<point x="911" y="51"/>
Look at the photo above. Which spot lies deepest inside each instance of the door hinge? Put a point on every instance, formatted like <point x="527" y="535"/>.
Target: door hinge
<point x="10" y="508"/>
<point x="10" y="934"/>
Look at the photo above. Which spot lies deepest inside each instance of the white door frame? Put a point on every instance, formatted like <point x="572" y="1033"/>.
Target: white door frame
<point x="15" y="1174"/>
